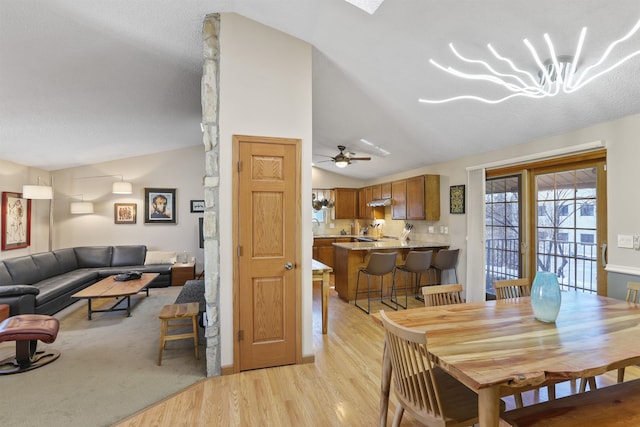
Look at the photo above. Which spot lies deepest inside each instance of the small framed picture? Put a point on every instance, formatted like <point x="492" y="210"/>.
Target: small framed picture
<point x="160" y="205"/>
<point x="124" y="213"/>
<point x="456" y="199"/>
<point x="197" y="206"/>
<point x="16" y="221"/>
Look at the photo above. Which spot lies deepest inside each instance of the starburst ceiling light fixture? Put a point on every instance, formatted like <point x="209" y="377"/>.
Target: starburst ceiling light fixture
<point x="369" y="6"/>
<point x="555" y="75"/>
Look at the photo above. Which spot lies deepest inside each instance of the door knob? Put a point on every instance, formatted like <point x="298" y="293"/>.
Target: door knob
<point x="288" y="266"/>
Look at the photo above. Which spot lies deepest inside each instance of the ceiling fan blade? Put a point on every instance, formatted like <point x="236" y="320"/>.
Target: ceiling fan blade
<point x="359" y="158"/>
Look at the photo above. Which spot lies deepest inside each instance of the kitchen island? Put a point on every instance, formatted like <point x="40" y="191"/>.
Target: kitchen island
<point x="351" y="257"/>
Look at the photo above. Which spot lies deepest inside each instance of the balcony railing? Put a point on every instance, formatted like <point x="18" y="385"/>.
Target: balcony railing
<point x="574" y="263"/>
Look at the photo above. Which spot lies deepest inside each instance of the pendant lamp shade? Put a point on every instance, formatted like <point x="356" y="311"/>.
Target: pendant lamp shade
<point x="122" y="187"/>
<point x="41" y="192"/>
<point x="81" y="207"/>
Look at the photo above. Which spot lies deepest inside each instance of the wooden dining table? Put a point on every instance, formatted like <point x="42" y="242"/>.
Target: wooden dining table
<point x="493" y="347"/>
<point x="321" y="272"/>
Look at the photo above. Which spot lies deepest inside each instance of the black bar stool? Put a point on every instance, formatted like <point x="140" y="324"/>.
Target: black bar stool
<point x="380" y="264"/>
<point x="446" y="260"/>
<point x="416" y="263"/>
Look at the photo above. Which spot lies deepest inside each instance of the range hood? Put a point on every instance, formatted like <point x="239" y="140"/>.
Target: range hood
<point x="379" y="202"/>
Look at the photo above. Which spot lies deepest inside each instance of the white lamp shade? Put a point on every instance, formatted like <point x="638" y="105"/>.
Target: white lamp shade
<point x="122" y="187"/>
<point x="37" y="192"/>
<point x="81" y="207"/>
<point x="342" y="163"/>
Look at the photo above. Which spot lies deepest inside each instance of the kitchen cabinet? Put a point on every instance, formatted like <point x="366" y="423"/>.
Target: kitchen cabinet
<point x="385" y="190"/>
<point x="365" y="195"/>
<point x="323" y="249"/>
<point x="346" y="204"/>
<point x="432" y="197"/>
<point x="365" y="212"/>
<point x="376" y="192"/>
<point x="399" y="199"/>
<point x="416" y="198"/>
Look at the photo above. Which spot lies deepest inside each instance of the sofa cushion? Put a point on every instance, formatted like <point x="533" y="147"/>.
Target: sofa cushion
<point x="5" y="277"/>
<point x="47" y="263"/>
<point x="71" y="282"/>
<point x="23" y="270"/>
<point x="93" y="256"/>
<point x="160" y="257"/>
<point x="128" y="255"/>
<point x="66" y="259"/>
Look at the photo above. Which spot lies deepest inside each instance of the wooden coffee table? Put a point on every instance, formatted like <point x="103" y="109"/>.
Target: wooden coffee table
<point x="111" y="288"/>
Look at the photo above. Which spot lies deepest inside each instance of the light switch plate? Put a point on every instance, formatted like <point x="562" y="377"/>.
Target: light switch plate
<point x="636" y="242"/>
<point x="625" y="241"/>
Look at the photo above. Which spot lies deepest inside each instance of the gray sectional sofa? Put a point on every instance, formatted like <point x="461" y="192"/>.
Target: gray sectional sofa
<point x="43" y="283"/>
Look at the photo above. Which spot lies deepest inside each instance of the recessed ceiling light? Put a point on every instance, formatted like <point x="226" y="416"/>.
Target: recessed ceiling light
<point x="376" y="150"/>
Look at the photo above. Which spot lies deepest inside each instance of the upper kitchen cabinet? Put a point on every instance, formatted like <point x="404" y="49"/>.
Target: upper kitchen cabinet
<point x="385" y="190"/>
<point x="363" y="208"/>
<point x="399" y="199"/>
<point x="365" y="196"/>
<point x="432" y="197"/>
<point x="416" y="198"/>
<point x="346" y="203"/>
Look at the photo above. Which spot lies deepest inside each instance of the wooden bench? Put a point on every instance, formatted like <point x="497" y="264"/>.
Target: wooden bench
<point x="617" y="405"/>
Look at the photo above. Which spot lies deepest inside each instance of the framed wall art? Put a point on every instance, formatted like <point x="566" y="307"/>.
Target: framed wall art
<point x="160" y="205"/>
<point x="16" y="221"/>
<point x="456" y="199"/>
<point x="197" y="206"/>
<point x="124" y="213"/>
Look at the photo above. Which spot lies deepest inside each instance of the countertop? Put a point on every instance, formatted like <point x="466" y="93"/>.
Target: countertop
<point x="388" y="244"/>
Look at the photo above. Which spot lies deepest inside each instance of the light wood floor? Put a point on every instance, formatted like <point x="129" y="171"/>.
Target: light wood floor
<point x="342" y="387"/>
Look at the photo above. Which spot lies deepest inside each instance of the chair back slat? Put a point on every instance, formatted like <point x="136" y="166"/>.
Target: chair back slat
<point x="512" y="288"/>
<point x="412" y="369"/>
<point x="632" y="292"/>
<point x="442" y="295"/>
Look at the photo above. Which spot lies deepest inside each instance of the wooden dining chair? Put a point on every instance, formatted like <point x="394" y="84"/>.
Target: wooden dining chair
<point x="512" y="288"/>
<point x="633" y="296"/>
<point x="516" y="288"/>
<point x="442" y="295"/>
<point x="427" y="393"/>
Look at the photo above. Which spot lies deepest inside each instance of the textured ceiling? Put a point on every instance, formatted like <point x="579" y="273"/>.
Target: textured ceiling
<point x="94" y="80"/>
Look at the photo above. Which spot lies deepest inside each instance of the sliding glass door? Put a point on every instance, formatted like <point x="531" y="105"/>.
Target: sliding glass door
<point x="548" y="216"/>
<point x="503" y="237"/>
<point x="569" y="222"/>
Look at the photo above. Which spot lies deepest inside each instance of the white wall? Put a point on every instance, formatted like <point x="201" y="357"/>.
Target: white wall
<point x="321" y="178"/>
<point x="265" y="81"/>
<point x="12" y="177"/>
<point x="182" y="170"/>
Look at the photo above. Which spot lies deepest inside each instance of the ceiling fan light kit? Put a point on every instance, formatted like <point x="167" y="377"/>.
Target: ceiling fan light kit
<point x="557" y="74"/>
<point x="342" y="159"/>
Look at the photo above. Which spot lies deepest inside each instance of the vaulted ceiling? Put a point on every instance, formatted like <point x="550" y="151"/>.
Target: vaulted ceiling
<point x="94" y="80"/>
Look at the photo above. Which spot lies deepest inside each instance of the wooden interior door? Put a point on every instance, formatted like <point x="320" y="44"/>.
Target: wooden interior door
<point x="268" y="226"/>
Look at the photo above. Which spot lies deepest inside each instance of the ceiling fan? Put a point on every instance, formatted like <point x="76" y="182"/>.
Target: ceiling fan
<point x="343" y="159"/>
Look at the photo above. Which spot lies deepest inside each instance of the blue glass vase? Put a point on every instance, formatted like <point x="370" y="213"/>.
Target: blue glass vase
<point x="545" y="296"/>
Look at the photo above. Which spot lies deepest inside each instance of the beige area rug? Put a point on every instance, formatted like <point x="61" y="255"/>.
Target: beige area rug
<point x="108" y="368"/>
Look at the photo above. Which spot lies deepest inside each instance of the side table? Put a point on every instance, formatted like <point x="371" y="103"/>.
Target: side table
<point x="4" y="311"/>
<point x="181" y="272"/>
